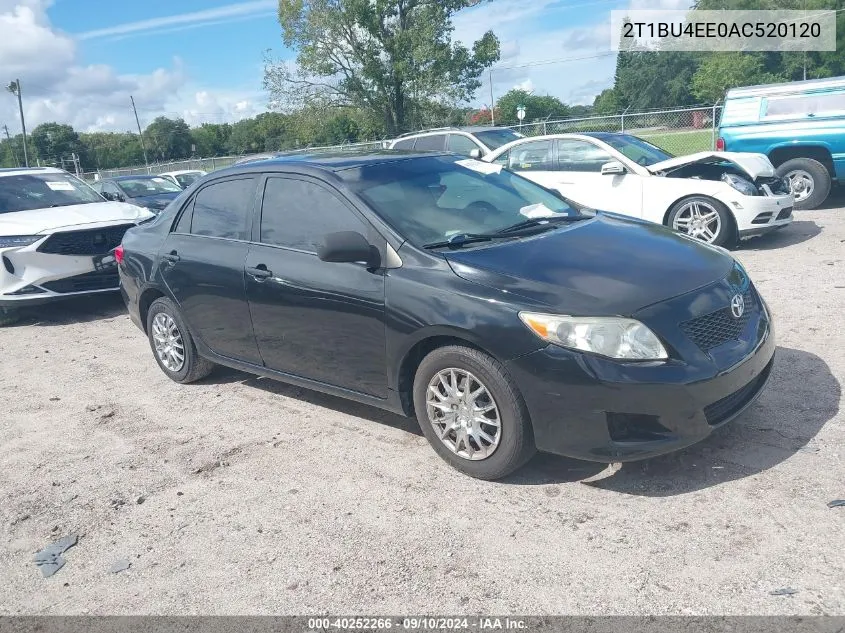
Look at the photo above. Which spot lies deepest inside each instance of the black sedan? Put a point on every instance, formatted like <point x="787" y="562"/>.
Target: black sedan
<point x="504" y="317"/>
<point x="151" y="192"/>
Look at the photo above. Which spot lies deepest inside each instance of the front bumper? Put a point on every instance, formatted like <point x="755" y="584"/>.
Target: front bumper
<point x="595" y="409"/>
<point x="757" y="215"/>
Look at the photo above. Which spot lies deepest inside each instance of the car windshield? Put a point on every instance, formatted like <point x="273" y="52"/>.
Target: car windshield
<point x="186" y="180"/>
<point x="140" y="187"/>
<point x="494" y="139"/>
<point x="640" y="151"/>
<point x="25" y="192"/>
<point x="432" y="199"/>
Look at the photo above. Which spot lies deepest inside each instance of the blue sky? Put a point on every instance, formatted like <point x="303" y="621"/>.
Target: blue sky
<point x="79" y="60"/>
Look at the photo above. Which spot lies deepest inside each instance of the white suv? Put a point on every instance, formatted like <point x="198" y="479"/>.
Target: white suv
<point x="56" y="238"/>
<point x="473" y="141"/>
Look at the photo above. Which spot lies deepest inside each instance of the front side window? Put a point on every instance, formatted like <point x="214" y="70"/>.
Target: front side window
<point x="532" y="156"/>
<point x="298" y="214"/>
<point x="434" y="198"/>
<point x="141" y="187"/>
<point x="25" y="192"/>
<point x="636" y="149"/>
<point x="581" y="156"/>
<point x="434" y="142"/>
<point x="460" y="144"/>
<point x="223" y="209"/>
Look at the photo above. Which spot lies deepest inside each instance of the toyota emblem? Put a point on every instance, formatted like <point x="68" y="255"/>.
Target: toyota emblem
<point x="737" y="306"/>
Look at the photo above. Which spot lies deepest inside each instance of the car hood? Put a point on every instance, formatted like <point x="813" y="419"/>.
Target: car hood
<point x="607" y="265"/>
<point x="755" y="165"/>
<point x="40" y="221"/>
<point x="158" y="202"/>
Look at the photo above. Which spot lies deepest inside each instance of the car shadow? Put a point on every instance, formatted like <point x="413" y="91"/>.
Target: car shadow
<point x="795" y="233"/>
<point x="226" y="375"/>
<point x="801" y="397"/>
<point x="73" y="310"/>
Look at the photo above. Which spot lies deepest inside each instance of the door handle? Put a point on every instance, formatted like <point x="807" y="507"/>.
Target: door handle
<point x="259" y="273"/>
<point x="171" y="257"/>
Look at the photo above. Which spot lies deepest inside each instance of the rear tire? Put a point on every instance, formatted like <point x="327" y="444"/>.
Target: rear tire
<point x="713" y="217"/>
<point x="9" y="316"/>
<point x="809" y="180"/>
<point x="496" y="446"/>
<point x="172" y="344"/>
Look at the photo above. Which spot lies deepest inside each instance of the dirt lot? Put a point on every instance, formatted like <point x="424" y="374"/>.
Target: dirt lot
<point x="241" y="495"/>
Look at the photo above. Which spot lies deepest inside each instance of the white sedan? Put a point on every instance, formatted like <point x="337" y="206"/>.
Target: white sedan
<point x="185" y="177"/>
<point x="717" y="197"/>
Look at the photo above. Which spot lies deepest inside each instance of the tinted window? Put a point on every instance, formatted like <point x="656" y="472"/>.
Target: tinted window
<point x="435" y="142"/>
<point x="407" y="143"/>
<point x="223" y="209"/>
<point x="298" y="214"/>
<point x="820" y="104"/>
<point x="433" y="198"/>
<point x="461" y="144"/>
<point x="533" y="156"/>
<point x="581" y="156"/>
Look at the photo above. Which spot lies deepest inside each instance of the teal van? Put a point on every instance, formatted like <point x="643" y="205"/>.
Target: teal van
<point x="800" y="126"/>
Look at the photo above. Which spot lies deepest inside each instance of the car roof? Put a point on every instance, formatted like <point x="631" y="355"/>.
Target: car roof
<point x="21" y="171"/>
<point x="329" y="161"/>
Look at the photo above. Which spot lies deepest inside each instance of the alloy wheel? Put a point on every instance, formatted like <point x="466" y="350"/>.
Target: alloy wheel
<point x="169" y="346"/>
<point x="699" y="219"/>
<point x="463" y="413"/>
<point x="801" y="183"/>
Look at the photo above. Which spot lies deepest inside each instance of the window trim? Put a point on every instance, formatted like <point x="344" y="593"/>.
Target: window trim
<point x="188" y="207"/>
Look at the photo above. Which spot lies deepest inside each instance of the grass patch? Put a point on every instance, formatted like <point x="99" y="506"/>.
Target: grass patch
<point x="680" y="143"/>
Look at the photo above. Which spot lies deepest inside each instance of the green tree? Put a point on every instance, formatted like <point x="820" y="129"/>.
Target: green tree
<point x="210" y="138"/>
<point x="54" y="141"/>
<point x="168" y="139"/>
<point x="722" y="71"/>
<point x="381" y="55"/>
<point x="536" y="107"/>
<point x="606" y="102"/>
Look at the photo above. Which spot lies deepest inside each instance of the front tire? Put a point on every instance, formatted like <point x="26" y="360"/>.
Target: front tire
<point x="809" y="181"/>
<point x="705" y="219"/>
<point x="172" y="344"/>
<point x="471" y="413"/>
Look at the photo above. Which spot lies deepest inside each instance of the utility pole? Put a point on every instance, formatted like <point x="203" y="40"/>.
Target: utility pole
<point x="140" y="133"/>
<point x="15" y="89"/>
<point x="492" y="103"/>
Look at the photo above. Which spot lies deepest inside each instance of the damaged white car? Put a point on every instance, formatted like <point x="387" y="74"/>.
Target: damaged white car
<point x="717" y="197"/>
<point x="56" y="238"/>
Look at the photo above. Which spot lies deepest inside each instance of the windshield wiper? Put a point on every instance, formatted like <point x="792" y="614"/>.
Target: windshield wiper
<point x="543" y="221"/>
<point x="457" y="241"/>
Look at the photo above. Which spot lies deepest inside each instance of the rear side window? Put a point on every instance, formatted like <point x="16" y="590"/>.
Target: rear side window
<point x="407" y="143"/>
<point x="298" y="214"/>
<point x="805" y="105"/>
<point x="435" y="142"/>
<point x="223" y="209"/>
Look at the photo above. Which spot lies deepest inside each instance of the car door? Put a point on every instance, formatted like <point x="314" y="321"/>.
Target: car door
<point x="536" y="160"/>
<point x="202" y="263"/>
<point x="580" y="179"/>
<point x="314" y="319"/>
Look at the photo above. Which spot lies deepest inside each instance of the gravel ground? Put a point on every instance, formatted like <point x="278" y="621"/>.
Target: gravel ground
<point x="241" y="495"/>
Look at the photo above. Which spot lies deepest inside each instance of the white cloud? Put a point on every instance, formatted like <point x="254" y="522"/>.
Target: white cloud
<point x="56" y="87"/>
<point x="206" y="17"/>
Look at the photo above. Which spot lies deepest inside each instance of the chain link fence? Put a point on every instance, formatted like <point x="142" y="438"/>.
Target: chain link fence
<point x="679" y="131"/>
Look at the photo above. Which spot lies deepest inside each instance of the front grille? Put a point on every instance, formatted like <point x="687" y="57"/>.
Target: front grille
<point x="711" y="330"/>
<point x="785" y="213"/>
<point x="89" y="282"/>
<point x="778" y="186"/>
<point x="725" y="408"/>
<point x="88" y="242"/>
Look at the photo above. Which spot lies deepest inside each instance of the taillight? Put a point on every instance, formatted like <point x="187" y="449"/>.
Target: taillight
<point x="118" y="254"/>
<point x="720" y="144"/>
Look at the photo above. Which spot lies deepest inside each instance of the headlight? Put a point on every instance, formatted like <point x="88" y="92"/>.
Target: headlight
<point x="18" y="240"/>
<point x="742" y="185"/>
<point x="614" y="337"/>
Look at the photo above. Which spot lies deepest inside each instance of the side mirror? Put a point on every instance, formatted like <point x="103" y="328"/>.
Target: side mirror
<point x="348" y="247"/>
<point x="613" y="168"/>
<point x="475" y="153"/>
<point x="107" y="195"/>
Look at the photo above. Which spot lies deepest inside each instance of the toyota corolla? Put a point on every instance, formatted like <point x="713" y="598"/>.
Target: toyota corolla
<point x="505" y="318"/>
